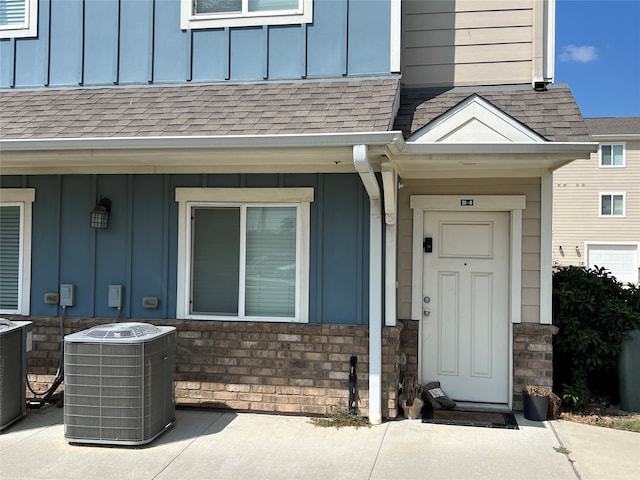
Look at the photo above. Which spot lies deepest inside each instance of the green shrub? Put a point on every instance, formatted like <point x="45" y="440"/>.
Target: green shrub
<point x="594" y="313"/>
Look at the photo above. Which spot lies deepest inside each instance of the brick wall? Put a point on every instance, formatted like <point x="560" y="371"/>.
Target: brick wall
<point x="532" y="355"/>
<point x="532" y="358"/>
<point x="252" y="366"/>
<point x="291" y="368"/>
<point x="409" y="348"/>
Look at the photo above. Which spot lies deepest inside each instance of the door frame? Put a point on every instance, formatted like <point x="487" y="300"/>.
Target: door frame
<point x="514" y="204"/>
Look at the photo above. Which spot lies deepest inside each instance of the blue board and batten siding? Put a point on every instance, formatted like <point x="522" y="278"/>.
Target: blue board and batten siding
<point x="139" y="249"/>
<point x="106" y="42"/>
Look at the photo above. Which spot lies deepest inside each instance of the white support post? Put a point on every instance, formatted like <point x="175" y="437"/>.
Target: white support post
<point x="363" y="167"/>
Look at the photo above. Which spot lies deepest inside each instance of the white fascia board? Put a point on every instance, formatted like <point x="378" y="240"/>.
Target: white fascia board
<point x="615" y="136"/>
<point x="223" y="141"/>
<point x="573" y="148"/>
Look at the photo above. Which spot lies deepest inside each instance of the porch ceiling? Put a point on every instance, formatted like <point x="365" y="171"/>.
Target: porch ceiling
<point x="466" y="160"/>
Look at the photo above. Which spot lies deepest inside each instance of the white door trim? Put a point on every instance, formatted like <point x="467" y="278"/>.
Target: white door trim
<point x="514" y="204"/>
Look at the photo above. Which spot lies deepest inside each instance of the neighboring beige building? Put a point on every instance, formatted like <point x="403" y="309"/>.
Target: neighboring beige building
<point x="597" y="202"/>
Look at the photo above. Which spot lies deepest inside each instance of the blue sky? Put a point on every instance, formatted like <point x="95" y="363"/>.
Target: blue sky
<point x="598" y="55"/>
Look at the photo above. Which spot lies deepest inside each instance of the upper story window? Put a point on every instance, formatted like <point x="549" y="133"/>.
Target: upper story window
<point x="238" y="13"/>
<point x="18" y="18"/>
<point x="243" y="254"/>
<point x="15" y="250"/>
<point x="612" y="204"/>
<point x="612" y="155"/>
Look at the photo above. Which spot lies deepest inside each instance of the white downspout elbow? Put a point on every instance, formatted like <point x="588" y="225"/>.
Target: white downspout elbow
<point x="368" y="177"/>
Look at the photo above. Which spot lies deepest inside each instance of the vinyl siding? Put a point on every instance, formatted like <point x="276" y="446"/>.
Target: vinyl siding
<point x="465" y="42"/>
<point x="530" y="229"/>
<point x="577" y="219"/>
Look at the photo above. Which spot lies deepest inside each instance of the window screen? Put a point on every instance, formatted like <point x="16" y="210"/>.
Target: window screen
<point x="612" y="155"/>
<point x="244" y="252"/>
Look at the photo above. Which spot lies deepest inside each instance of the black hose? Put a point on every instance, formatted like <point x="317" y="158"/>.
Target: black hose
<point x="48" y="393"/>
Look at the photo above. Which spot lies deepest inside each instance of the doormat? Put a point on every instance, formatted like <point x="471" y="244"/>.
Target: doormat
<point x="470" y="418"/>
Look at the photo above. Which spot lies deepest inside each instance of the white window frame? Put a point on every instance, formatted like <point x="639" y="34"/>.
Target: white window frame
<point x="612" y="194"/>
<point x="24" y="198"/>
<point x="191" y="21"/>
<point x="29" y="28"/>
<point x="624" y="154"/>
<point x="188" y="198"/>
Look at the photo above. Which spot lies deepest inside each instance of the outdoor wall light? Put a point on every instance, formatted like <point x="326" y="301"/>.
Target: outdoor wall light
<point x="561" y="250"/>
<point x="100" y="214"/>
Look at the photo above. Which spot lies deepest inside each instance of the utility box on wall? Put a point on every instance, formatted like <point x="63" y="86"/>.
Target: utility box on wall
<point x="119" y="383"/>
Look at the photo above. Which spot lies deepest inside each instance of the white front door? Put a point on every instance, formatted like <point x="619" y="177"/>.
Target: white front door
<point x="465" y="322"/>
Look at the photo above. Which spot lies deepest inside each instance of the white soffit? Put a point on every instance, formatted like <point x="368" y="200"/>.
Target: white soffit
<point x="475" y="121"/>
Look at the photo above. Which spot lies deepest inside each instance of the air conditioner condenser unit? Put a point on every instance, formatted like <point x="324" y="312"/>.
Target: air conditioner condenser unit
<point x="15" y="347"/>
<point x="118" y="383"/>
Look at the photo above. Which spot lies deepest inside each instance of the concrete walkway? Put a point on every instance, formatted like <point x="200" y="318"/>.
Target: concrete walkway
<point x="210" y="444"/>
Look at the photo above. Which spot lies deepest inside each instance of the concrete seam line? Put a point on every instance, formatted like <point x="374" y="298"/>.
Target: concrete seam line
<point x="572" y="462"/>
<point x="375" y="460"/>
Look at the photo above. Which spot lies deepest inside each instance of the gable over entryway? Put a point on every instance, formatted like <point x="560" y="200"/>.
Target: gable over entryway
<point x="474" y="225"/>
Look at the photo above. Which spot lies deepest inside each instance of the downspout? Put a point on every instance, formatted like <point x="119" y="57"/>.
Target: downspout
<point x="368" y="177"/>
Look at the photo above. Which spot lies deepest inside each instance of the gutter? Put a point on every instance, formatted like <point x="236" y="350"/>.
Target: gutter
<point x="189" y="142"/>
<point x="364" y="169"/>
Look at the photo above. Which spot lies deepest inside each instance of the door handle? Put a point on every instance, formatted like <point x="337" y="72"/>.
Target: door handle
<point x="427" y="312"/>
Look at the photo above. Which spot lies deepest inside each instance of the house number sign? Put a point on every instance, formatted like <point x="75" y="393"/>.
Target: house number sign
<point x="466" y="202"/>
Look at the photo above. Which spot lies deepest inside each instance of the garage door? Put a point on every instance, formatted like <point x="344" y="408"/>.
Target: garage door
<point x="621" y="260"/>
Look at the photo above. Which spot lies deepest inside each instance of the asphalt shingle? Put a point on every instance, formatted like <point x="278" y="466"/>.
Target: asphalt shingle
<point x="206" y="110"/>
<point x="553" y="114"/>
<point x="614" y="125"/>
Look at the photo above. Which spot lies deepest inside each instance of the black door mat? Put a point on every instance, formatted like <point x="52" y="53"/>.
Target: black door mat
<point x="470" y="418"/>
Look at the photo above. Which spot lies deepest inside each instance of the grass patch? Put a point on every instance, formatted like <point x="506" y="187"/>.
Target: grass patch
<point x="630" y="423"/>
<point x="339" y="417"/>
<point x="562" y="450"/>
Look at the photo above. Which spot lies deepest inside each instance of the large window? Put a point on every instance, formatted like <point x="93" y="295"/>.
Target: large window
<point x="15" y="250"/>
<point x="18" y="18"/>
<point x="612" y="204"/>
<point x="612" y="155"/>
<point x="235" y="13"/>
<point x="244" y="254"/>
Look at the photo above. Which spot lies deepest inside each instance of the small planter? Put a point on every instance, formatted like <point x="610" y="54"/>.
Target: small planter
<point x="411" y="398"/>
<point x="413" y="411"/>
<point x="535" y="407"/>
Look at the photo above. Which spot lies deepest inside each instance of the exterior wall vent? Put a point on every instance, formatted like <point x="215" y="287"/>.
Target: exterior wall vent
<point x="119" y="383"/>
<point x="15" y="346"/>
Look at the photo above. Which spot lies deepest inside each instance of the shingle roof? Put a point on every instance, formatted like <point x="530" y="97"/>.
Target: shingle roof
<point x="553" y="114"/>
<point x="297" y="107"/>
<point x="614" y="125"/>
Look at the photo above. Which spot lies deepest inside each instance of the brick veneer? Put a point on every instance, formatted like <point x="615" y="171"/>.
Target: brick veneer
<point x="532" y="355"/>
<point x="291" y="368"/>
<point x="532" y="358"/>
<point x="252" y="366"/>
<point x="409" y="348"/>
